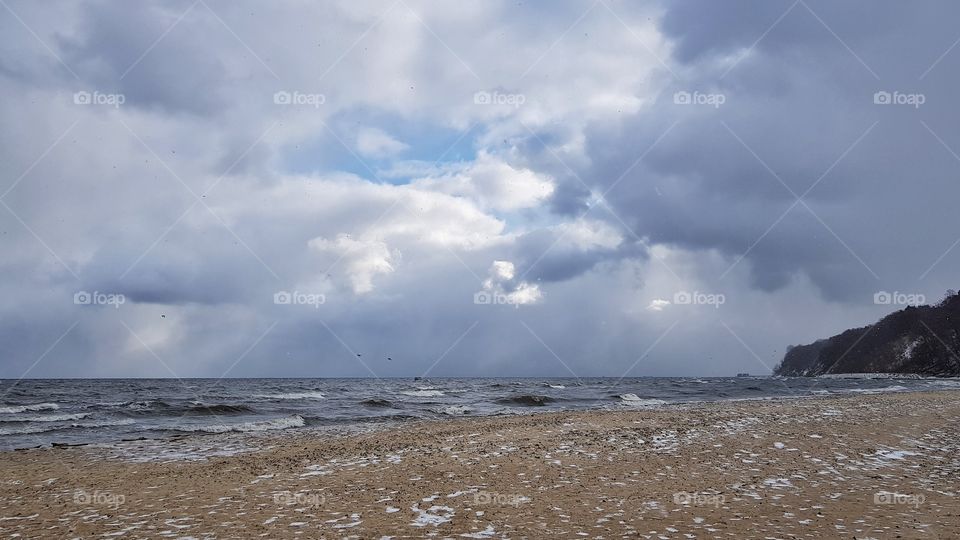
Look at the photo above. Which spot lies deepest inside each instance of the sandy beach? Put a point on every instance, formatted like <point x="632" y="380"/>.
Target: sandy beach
<point x="868" y="466"/>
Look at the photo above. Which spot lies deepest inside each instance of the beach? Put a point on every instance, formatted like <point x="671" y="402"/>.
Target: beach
<point x="862" y="466"/>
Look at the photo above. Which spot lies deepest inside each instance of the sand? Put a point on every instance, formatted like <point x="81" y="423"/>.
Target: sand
<point x="869" y="466"/>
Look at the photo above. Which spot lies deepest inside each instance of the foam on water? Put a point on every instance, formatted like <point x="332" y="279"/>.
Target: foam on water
<point x="894" y="388"/>
<point x="423" y="393"/>
<point x="44" y="427"/>
<point x="634" y="400"/>
<point x="454" y="410"/>
<point x="292" y="396"/>
<point x="34" y="407"/>
<point x="44" y="418"/>
<point x="264" y="425"/>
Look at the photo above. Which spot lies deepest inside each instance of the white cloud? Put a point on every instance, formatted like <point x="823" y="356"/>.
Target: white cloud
<point x="502" y="282"/>
<point x="376" y="143"/>
<point x="585" y="234"/>
<point x="365" y="226"/>
<point x="363" y="258"/>
<point x="503" y="270"/>
<point x="493" y="183"/>
<point x="658" y="304"/>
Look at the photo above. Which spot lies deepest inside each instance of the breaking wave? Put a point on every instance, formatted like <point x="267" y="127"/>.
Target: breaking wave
<point x="634" y="400"/>
<point x="294" y="421"/>
<point x="47" y="418"/>
<point x="527" y="400"/>
<point x="423" y="393"/>
<point x="292" y="396"/>
<point x="24" y="408"/>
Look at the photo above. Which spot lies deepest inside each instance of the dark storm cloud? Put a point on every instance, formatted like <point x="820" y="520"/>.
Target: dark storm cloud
<point x="123" y="47"/>
<point x="799" y="101"/>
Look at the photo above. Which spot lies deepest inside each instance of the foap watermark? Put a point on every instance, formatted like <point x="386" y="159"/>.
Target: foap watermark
<point x="498" y="98"/>
<point x="683" y="97"/>
<point x="284" y="97"/>
<point x="288" y="498"/>
<point x="696" y="498"/>
<point x="97" y="298"/>
<point x="883" y="97"/>
<point x="697" y="298"/>
<point x="98" y="98"/>
<point x="297" y="298"/>
<point x="897" y="298"/>
<point x="494" y="298"/>
<point x="887" y="497"/>
<point x="502" y="499"/>
<point x="99" y="498"/>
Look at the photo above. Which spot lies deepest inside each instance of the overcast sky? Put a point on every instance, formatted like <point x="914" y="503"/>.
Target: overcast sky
<point x="200" y="188"/>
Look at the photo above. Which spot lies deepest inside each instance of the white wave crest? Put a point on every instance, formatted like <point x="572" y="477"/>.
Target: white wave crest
<point x="894" y="388"/>
<point x="454" y="410"/>
<point x="265" y="425"/>
<point x="105" y="423"/>
<point x="47" y="418"/>
<point x="634" y="400"/>
<point x="292" y="396"/>
<point x="423" y="393"/>
<point x="24" y="408"/>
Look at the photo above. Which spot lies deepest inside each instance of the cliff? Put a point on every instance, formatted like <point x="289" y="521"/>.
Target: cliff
<point x="924" y="340"/>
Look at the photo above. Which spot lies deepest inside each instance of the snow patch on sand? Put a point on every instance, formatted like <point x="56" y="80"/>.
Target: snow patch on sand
<point x="435" y="515"/>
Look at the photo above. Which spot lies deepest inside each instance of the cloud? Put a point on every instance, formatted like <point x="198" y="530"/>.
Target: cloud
<point x="581" y="193"/>
<point x="364" y="259"/>
<point x="502" y="282"/>
<point x="376" y="143"/>
<point x="658" y="304"/>
<point x="492" y="184"/>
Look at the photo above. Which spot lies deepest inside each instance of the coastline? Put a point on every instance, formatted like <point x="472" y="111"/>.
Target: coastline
<point x="40" y="413"/>
<point x="875" y="465"/>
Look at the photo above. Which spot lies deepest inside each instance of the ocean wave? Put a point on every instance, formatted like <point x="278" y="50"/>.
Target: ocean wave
<point x="526" y="399"/>
<point x="376" y="402"/>
<point x="33" y="407"/>
<point x="894" y="388"/>
<point x="47" y="418"/>
<point x="26" y="430"/>
<point x="42" y="428"/>
<point x="104" y="423"/>
<point x="146" y="405"/>
<point x="423" y="393"/>
<point x="454" y="410"/>
<point x="555" y="386"/>
<point x="195" y="408"/>
<point x="950" y="383"/>
<point x="217" y="408"/>
<point x="634" y="400"/>
<point x="264" y="425"/>
<point x="292" y="396"/>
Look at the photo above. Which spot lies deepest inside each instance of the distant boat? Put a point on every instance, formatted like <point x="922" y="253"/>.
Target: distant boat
<point x="743" y="374"/>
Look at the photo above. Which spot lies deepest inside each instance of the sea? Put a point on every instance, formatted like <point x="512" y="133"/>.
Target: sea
<point x="45" y="412"/>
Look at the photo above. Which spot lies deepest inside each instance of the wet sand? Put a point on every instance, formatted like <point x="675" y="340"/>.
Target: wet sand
<point x="869" y="466"/>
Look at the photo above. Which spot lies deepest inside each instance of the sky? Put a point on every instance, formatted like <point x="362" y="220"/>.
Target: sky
<point x="209" y="188"/>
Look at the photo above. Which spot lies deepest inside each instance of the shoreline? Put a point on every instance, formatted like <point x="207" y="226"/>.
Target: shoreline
<point x="311" y="426"/>
<point x="873" y="465"/>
